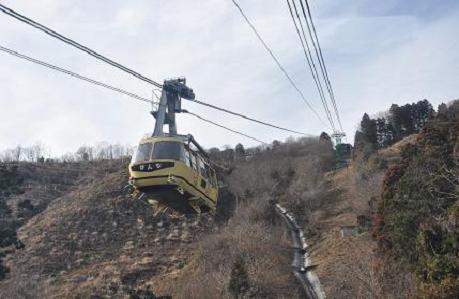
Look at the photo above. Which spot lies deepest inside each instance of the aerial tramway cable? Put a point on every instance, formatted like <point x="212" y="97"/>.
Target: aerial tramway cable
<point x="73" y="43"/>
<point x="73" y="74"/>
<point x="310" y="61"/>
<point x="224" y="127"/>
<point x="248" y="118"/>
<point x="319" y="54"/>
<point x="93" y="53"/>
<point x="133" y="95"/>
<point x="282" y="69"/>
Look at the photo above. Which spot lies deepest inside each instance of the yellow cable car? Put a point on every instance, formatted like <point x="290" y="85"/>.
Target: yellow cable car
<point x="177" y="171"/>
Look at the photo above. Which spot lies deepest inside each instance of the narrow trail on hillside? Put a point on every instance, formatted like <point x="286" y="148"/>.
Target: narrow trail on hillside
<point x="302" y="266"/>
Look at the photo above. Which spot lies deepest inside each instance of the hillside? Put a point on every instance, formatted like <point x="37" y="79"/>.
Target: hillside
<point x="91" y="238"/>
<point x="391" y="231"/>
<point x="416" y="217"/>
<point x="382" y="227"/>
<point x="95" y="239"/>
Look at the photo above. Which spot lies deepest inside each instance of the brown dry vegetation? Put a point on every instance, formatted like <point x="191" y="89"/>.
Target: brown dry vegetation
<point x="263" y="248"/>
<point x="409" y="193"/>
<point x="85" y="236"/>
<point x="344" y="264"/>
<point x="290" y="173"/>
<point x="93" y="240"/>
<point x="348" y="266"/>
<point x="97" y="241"/>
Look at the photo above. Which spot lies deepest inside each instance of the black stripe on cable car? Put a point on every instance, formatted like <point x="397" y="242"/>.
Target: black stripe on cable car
<point x="152" y="166"/>
<point x="180" y="177"/>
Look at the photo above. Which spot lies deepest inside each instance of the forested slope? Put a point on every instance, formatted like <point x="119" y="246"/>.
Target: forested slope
<point x="415" y="215"/>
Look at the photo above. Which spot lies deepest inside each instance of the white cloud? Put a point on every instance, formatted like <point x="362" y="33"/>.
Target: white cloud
<point x="373" y="59"/>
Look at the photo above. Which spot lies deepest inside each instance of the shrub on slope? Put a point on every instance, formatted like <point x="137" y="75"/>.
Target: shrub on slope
<point x="417" y="217"/>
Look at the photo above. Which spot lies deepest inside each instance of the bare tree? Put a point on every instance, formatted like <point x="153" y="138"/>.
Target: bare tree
<point x="69" y="157"/>
<point x="17" y="153"/>
<point x="118" y="151"/>
<point x="84" y="153"/>
<point x="38" y="150"/>
<point x="7" y="156"/>
<point x="29" y="154"/>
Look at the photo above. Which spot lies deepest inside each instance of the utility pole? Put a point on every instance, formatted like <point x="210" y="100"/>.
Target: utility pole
<point x="169" y="104"/>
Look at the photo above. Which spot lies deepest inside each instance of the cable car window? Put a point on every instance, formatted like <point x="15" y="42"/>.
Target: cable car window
<point x="143" y="152"/>
<point x="203" y="170"/>
<point x="193" y="161"/>
<point x="212" y="177"/>
<point x="208" y="173"/>
<point x="168" y="150"/>
<point x="187" y="157"/>
<point x="211" y="173"/>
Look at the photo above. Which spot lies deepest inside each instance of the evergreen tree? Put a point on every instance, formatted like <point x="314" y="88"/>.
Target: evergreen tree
<point x="442" y="110"/>
<point x="239" y="280"/>
<point x="325" y="137"/>
<point x="384" y="132"/>
<point x="395" y="120"/>
<point x="390" y="139"/>
<point x="3" y="270"/>
<point x="406" y="118"/>
<point x="424" y="111"/>
<point x="239" y="150"/>
<point x="381" y="131"/>
<point x="368" y="128"/>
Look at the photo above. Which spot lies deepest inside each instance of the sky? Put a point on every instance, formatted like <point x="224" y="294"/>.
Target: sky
<point x="376" y="52"/>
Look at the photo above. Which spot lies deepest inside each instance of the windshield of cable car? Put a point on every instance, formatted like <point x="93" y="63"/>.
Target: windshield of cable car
<point x="168" y="150"/>
<point x="143" y="153"/>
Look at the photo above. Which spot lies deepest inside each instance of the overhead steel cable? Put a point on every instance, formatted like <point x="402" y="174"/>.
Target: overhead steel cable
<point x="75" y="75"/>
<point x="317" y="39"/>
<point x="75" y="44"/>
<point x="310" y="61"/>
<point x="223" y="127"/>
<point x="271" y="53"/>
<point x="246" y="117"/>
<point x="133" y="95"/>
<point x="93" y="53"/>
<point x="319" y="54"/>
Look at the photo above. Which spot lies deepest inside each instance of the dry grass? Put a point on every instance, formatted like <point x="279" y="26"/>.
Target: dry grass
<point x="392" y="153"/>
<point x="94" y="240"/>
<point x="263" y="247"/>
<point x="345" y="265"/>
<point x="292" y="174"/>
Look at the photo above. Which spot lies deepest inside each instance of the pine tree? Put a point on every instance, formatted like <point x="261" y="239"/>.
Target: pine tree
<point x="424" y="111"/>
<point x="395" y="120"/>
<point x="406" y="117"/>
<point x="368" y="128"/>
<point x="381" y="132"/>
<point x="384" y="132"/>
<point x="239" y="281"/>
<point x="3" y="270"/>
<point x="239" y="150"/>
<point x="442" y="110"/>
<point x="325" y="137"/>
